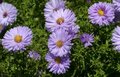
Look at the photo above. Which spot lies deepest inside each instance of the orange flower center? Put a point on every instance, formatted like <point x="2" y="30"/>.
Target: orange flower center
<point x="18" y="38"/>
<point x="60" y="21"/>
<point x="101" y="12"/>
<point x="59" y="43"/>
<point x="58" y="60"/>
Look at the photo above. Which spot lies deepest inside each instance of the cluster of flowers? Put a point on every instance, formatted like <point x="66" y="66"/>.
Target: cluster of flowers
<point x="103" y="13"/>
<point x="17" y="38"/>
<point x="60" y="21"/>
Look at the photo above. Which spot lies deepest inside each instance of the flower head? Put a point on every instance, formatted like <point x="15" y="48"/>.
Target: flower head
<point x="116" y="38"/>
<point x="8" y="13"/>
<point x="17" y="38"/>
<point x="34" y="55"/>
<point x="63" y="18"/>
<point x="87" y="39"/>
<point x="59" y="43"/>
<point x="101" y="13"/>
<point x="58" y="65"/>
<point x="73" y="30"/>
<point x="116" y="4"/>
<point x="53" y="5"/>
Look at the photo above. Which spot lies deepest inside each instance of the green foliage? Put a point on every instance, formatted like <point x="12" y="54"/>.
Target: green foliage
<point x="100" y="60"/>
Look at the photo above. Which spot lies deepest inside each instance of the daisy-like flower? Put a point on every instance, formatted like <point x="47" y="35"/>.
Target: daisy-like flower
<point x="58" y="65"/>
<point x="63" y="18"/>
<point x="87" y="39"/>
<point x="101" y="13"/>
<point x="53" y="5"/>
<point x="17" y="38"/>
<point x="73" y="30"/>
<point x="59" y="42"/>
<point x="8" y="13"/>
<point x="34" y="55"/>
<point x="116" y="38"/>
<point x="116" y="5"/>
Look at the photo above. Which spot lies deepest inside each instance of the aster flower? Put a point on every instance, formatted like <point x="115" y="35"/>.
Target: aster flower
<point x="116" y="38"/>
<point x="34" y="55"/>
<point x="8" y="13"/>
<point x="53" y="5"/>
<point x="87" y="39"/>
<point x="63" y="18"/>
<point x="101" y="13"/>
<point x="73" y="30"/>
<point x="17" y="38"/>
<point x="59" y="42"/>
<point x="116" y="4"/>
<point x="58" y="65"/>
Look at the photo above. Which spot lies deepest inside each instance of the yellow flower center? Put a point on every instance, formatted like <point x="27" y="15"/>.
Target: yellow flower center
<point x="18" y="38"/>
<point x="101" y="12"/>
<point x="59" y="43"/>
<point x="1" y="27"/>
<point x="58" y="60"/>
<point x="60" y="21"/>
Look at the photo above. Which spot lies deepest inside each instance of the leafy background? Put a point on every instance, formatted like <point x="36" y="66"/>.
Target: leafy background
<point x="100" y="60"/>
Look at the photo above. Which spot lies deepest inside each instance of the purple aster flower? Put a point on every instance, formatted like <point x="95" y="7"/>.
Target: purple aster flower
<point x="116" y="4"/>
<point x="59" y="42"/>
<point x="73" y="30"/>
<point x="101" y="13"/>
<point x="8" y="13"/>
<point x="87" y="39"/>
<point x="17" y="38"/>
<point x="63" y="18"/>
<point x="53" y="5"/>
<point x="116" y="38"/>
<point x="58" y="65"/>
<point x="34" y="55"/>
